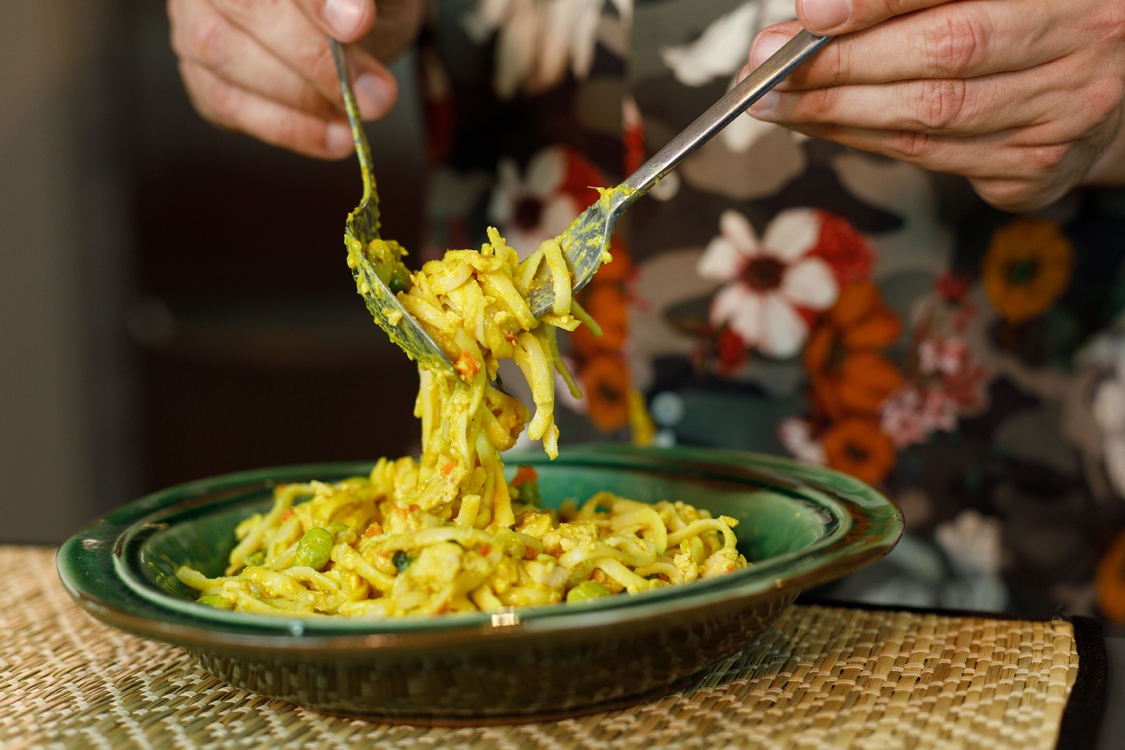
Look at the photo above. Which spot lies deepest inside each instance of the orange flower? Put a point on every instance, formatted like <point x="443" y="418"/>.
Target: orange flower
<point x="605" y="379"/>
<point x="609" y="306"/>
<point x="847" y="374"/>
<point x="1110" y="581"/>
<point x="1027" y="267"/>
<point x="860" y="448"/>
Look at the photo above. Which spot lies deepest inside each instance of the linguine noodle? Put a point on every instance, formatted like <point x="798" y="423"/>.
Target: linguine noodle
<point x="448" y="533"/>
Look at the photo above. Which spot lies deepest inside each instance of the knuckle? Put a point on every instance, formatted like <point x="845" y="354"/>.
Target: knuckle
<point x="817" y="105"/>
<point x="315" y="60"/>
<point x="1042" y="159"/>
<point x="207" y="40"/>
<point x="910" y="145"/>
<point x="1102" y="98"/>
<point x="241" y="10"/>
<point x="285" y="129"/>
<point x="222" y="100"/>
<point x="954" y="41"/>
<point x="941" y="103"/>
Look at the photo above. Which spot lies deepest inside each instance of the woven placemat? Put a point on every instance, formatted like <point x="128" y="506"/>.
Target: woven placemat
<point x="820" y="677"/>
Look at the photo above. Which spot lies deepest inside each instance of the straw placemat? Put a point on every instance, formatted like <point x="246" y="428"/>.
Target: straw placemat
<point x="820" y="677"/>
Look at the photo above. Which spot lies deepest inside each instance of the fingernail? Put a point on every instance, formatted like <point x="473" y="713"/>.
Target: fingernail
<point x="765" y="105"/>
<point x="339" y="139"/>
<point x="343" y="17"/>
<point x="764" y="47"/>
<point x="373" y="96"/>
<point x="823" y="15"/>
<point x="743" y="73"/>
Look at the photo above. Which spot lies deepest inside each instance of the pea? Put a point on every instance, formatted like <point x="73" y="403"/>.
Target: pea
<point x="214" y="600"/>
<point x="336" y="527"/>
<point x="400" y="279"/>
<point x="314" y="548"/>
<point x="402" y="560"/>
<point x="586" y="591"/>
<point x="256" y="558"/>
<point x="529" y="494"/>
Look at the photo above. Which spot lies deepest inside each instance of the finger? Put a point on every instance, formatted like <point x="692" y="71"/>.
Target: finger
<point x="844" y="16"/>
<point x="207" y="38"/>
<point x="995" y="157"/>
<point x="954" y="107"/>
<point x="236" y="108"/>
<point x="959" y="40"/>
<point x="295" y="38"/>
<point x="345" y="20"/>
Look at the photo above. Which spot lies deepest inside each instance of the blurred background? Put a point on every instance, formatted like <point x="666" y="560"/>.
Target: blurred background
<point x="174" y="299"/>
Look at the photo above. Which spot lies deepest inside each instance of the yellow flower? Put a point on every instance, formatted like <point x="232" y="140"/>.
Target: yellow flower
<point x="1027" y="267"/>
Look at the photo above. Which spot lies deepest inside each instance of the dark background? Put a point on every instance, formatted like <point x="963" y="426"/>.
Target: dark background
<point x="175" y="298"/>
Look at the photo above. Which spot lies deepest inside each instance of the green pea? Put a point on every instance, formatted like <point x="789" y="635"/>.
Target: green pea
<point x="400" y="279"/>
<point x="402" y="560"/>
<point x="314" y="549"/>
<point x="586" y="591"/>
<point x="336" y="527"/>
<point x="256" y="558"/>
<point x="214" y="600"/>
<point x="529" y="494"/>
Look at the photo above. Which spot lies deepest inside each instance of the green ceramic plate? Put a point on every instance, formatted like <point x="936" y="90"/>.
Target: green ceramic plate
<point x="801" y="526"/>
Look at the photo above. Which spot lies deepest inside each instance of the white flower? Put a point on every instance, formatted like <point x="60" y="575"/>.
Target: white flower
<point x="972" y="543"/>
<point x="768" y="280"/>
<point x="1109" y="407"/>
<point x="531" y="210"/>
<point x="721" y="51"/>
<point x="539" y="39"/>
<point x="796" y="435"/>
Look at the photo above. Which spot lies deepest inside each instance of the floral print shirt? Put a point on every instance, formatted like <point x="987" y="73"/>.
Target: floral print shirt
<point x="792" y="296"/>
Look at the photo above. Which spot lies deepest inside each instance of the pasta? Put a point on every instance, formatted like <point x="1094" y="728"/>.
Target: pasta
<point x="448" y="533"/>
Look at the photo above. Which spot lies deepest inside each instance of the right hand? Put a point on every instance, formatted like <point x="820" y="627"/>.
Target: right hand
<point x="263" y="67"/>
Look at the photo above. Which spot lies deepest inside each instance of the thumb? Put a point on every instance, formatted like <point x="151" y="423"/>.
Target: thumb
<point x="344" y="20"/>
<point x="842" y="16"/>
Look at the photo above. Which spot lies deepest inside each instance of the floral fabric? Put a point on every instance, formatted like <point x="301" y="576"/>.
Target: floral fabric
<point x="788" y="295"/>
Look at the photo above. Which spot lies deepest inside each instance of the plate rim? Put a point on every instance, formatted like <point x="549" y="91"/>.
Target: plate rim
<point x="824" y="560"/>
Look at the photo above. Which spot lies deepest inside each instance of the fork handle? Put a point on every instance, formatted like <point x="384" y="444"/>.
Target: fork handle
<point x="721" y="113"/>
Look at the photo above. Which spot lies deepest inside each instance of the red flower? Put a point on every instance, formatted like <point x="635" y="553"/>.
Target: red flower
<point x="732" y="351"/>
<point x="844" y="249"/>
<point x="951" y="287"/>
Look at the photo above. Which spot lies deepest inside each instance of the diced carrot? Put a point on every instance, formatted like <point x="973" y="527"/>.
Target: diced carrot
<point x="374" y="529"/>
<point x="485" y="549"/>
<point x="467" y="366"/>
<point x="525" y="474"/>
<point x="448" y="468"/>
<point x="414" y="508"/>
<point x="286" y="514"/>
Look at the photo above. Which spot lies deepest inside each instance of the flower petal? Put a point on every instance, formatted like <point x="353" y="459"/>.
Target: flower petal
<point x="719" y="51"/>
<point x="738" y="307"/>
<point x="783" y="329"/>
<point x="515" y="49"/>
<point x="792" y="233"/>
<point x="557" y="25"/>
<point x="557" y="214"/>
<point x="721" y="261"/>
<point x="737" y="228"/>
<point x="584" y="37"/>
<point x="505" y="193"/>
<point x="546" y="171"/>
<point x="810" y="283"/>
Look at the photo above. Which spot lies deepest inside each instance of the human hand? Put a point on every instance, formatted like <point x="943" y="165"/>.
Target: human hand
<point x="1022" y="97"/>
<point x="263" y="67"/>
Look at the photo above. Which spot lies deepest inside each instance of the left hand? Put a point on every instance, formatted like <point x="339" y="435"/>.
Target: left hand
<point x="1022" y="97"/>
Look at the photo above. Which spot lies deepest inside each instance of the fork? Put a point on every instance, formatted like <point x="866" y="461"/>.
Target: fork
<point x="587" y="238"/>
<point x="373" y="278"/>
